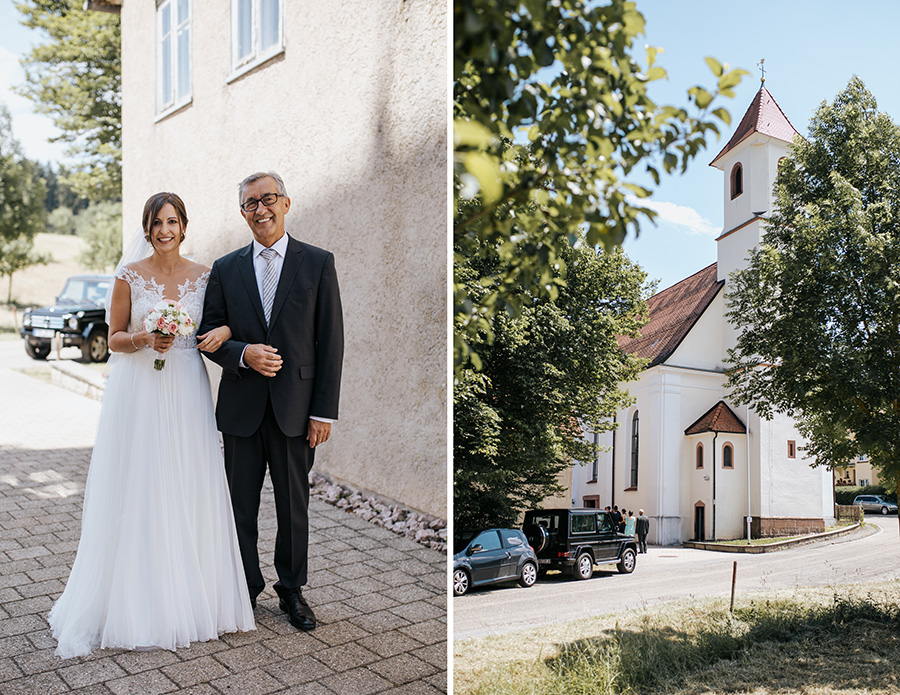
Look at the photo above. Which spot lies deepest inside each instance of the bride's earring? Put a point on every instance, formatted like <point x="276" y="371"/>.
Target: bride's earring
<point x="182" y="236"/>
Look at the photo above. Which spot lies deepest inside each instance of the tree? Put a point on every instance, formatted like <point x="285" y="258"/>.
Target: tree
<point x="61" y="221"/>
<point x="555" y="135"/>
<point x="552" y="371"/>
<point x="22" y="211"/>
<point x="17" y="255"/>
<point x="101" y="228"/>
<point x="75" y="77"/>
<point x="818" y="307"/>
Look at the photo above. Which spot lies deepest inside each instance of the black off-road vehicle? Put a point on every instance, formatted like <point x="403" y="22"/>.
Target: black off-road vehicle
<point x="77" y="318"/>
<point x="574" y="540"/>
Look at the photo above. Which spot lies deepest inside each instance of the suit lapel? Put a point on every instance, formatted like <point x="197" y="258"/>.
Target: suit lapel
<point x="292" y="261"/>
<point x="248" y="275"/>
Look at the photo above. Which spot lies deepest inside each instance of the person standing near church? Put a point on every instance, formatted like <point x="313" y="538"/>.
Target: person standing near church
<point x="642" y="528"/>
<point x="280" y="385"/>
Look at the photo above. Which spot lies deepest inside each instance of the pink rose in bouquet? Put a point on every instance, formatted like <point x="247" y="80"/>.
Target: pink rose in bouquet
<point x="168" y="318"/>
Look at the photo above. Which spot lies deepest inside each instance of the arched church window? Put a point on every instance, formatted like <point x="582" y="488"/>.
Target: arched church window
<point x="737" y="180"/>
<point x="727" y="456"/>
<point x="635" y="441"/>
<point x="699" y="456"/>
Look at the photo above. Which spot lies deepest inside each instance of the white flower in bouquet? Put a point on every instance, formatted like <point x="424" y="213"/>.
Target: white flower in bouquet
<point x="168" y="318"/>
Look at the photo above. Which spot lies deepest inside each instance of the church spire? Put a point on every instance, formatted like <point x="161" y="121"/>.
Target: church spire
<point x="764" y="116"/>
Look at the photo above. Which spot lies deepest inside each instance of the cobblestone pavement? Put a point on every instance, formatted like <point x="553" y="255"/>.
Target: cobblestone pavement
<point x="380" y="598"/>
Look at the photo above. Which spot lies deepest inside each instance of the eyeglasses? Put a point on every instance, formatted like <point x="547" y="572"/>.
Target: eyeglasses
<point x="267" y="200"/>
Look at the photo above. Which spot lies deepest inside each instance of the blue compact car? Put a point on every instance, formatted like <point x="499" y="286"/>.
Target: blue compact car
<point x="492" y="556"/>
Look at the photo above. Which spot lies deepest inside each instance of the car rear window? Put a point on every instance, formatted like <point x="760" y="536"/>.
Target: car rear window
<point x="512" y="538"/>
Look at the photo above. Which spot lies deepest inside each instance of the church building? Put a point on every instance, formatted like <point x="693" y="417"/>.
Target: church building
<point x="696" y="463"/>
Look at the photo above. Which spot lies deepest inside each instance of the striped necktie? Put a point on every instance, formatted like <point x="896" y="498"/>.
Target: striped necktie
<point x="269" y="281"/>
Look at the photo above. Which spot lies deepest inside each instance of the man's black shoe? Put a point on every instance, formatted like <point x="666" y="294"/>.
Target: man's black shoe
<point x="253" y="603"/>
<point x="299" y="613"/>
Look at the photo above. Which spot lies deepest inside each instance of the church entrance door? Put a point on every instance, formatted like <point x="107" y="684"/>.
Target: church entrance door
<point x="699" y="525"/>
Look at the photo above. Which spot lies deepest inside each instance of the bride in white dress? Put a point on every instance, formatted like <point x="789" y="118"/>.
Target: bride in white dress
<point x="158" y="564"/>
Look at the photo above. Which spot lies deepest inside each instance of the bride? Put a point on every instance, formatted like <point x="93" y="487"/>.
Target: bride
<point x="158" y="564"/>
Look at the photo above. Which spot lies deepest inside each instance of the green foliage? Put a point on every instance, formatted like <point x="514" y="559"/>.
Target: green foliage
<point x="819" y="305"/>
<point x="550" y="371"/>
<point x="61" y="221"/>
<point x="101" y="228"/>
<point x="555" y="136"/>
<point x="59" y="193"/>
<point x="75" y="77"/>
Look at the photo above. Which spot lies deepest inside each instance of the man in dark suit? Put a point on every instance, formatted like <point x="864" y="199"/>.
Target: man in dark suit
<point x="642" y="528"/>
<point x="281" y="374"/>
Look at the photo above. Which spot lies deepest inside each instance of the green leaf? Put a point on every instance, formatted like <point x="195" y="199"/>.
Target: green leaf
<point x="714" y="65"/>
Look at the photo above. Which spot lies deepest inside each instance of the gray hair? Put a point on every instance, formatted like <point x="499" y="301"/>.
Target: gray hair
<point x="279" y="184"/>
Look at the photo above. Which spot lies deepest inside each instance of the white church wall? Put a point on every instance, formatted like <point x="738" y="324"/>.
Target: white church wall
<point x="701" y="348"/>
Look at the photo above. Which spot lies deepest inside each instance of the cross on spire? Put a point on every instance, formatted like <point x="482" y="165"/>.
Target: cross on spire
<point x="762" y="68"/>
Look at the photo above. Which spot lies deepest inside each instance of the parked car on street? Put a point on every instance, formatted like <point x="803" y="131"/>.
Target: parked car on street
<point x="492" y="556"/>
<point x="574" y="540"/>
<point x="875" y="503"/>
<point x="77" y="318"/>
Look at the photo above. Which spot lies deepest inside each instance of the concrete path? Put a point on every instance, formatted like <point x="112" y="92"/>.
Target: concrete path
<point x="380" y="598"/>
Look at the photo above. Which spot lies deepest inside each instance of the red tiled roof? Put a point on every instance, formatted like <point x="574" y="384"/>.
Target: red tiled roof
<point x="673" y="312"/>
<point x="719" y="418"/>
<point x="764" y="116"/>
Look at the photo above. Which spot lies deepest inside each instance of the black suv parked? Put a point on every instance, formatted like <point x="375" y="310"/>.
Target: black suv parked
<point x="78" y="317"/>
<point x="574" y="540"/>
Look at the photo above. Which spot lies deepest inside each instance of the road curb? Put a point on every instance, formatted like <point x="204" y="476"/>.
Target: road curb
<point x="78" y="378"/>
<point x="771" y="547"/>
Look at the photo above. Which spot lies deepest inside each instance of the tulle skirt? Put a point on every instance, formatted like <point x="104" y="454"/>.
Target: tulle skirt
<point x="158" y="564"/>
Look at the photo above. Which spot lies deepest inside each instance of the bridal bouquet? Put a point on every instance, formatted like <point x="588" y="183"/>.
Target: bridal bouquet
<point x="168" y="318"/>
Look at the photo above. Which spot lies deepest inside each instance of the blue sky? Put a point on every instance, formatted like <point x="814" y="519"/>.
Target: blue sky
<point x="30" y="129"/>
<point x="811" y="49"/>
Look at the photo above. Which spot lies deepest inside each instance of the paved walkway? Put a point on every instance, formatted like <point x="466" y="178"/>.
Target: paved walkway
<point x="380" y="598"/>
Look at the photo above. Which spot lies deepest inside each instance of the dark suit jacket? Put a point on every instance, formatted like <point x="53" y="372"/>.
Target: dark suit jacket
<point x="306" y="327"/>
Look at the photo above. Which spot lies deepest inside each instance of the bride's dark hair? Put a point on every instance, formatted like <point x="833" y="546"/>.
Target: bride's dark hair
<point x="157" y="202"/>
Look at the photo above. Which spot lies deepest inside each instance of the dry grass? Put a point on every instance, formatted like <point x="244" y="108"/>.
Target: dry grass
<point x="40" y="284"/>
<point x="842" y="640"/>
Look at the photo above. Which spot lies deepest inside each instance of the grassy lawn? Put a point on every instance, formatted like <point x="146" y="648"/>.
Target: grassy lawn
<point x="779" y="539"/>
<point x="39" y="285"/>
<point x="842" y="640"/>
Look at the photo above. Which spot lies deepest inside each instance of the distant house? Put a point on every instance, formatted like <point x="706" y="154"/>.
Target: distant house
<point x="696" y="463"/>
<point x="347" y="101"/>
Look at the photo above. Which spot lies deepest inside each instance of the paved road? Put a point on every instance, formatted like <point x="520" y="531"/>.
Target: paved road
<point x="380" y="598"/>
<point x="668" y="574"/>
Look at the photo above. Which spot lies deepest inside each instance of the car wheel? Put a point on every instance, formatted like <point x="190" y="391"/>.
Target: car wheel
<point x="627" y="563"/>
<point x="584" y="566"/>
<point x="537" y="536"/>
<point x="37" y="351"/>
<point x="528" y="576"/>
<point x="884" y="510"/>
<point x="461" y="582"/>
<point x="95" y="348"/>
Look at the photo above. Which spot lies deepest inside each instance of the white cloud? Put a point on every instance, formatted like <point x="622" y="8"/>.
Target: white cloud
<point x="682" y="216"/>
<point x="31" y="129"/>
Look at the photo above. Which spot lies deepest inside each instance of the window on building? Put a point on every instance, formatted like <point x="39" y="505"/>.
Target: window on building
<point x="792" y="449"/>
<point x="257" y="32"/>
<point x="727" y="456"/>
<point x="595" y="464"/>
<point x="635" y="442"/>
<point x="699" y="456"/>
<point x="737" y="180"/>
<point x="173" y="64"/>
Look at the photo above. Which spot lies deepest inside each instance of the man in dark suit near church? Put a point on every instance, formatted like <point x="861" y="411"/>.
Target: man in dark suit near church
<point x="281" y="373"/>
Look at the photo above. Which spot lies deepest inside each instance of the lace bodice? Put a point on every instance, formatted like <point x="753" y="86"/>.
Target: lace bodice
<point x="146" y="293"/>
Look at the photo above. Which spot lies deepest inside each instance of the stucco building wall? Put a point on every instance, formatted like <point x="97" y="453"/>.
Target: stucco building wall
<point x="353" y="116"/>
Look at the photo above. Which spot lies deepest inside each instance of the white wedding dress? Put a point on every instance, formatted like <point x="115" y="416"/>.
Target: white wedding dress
<point x="158" y="564"/>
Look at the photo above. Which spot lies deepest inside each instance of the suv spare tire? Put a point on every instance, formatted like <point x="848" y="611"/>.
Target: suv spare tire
<point x="538" y="537"/>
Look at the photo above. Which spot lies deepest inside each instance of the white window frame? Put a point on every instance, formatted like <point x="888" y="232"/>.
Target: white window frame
<point x="167" y="103"/>
<point x="257" y="56"/>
